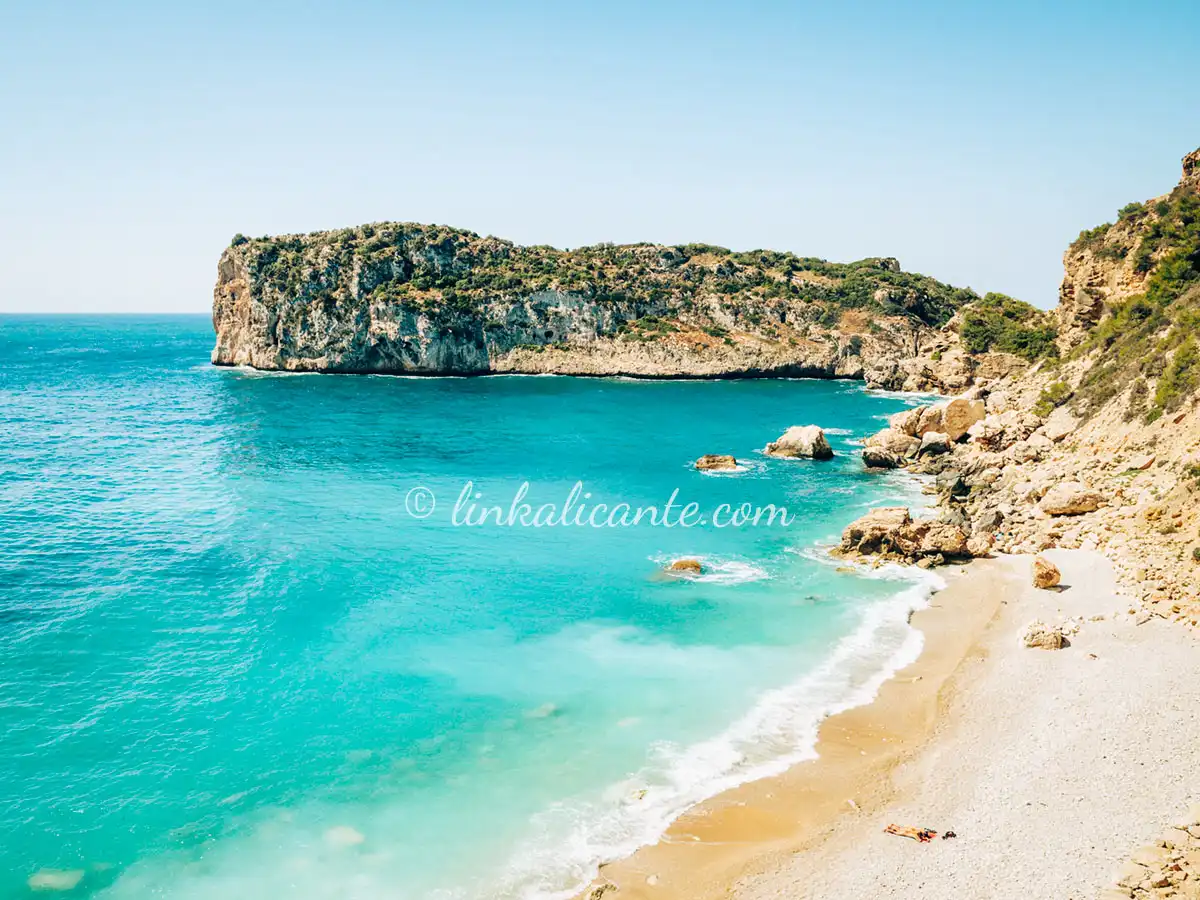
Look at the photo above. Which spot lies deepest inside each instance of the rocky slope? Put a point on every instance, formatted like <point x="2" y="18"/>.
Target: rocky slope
<point x="421" y="299"/>
<point x="1099" y="447"/>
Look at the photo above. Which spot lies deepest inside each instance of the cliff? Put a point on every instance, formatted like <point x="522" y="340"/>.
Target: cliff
<point x="421" y="299"/>
<point x="1098" y="447"/>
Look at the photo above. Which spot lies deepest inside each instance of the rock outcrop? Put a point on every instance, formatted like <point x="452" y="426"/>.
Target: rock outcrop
<point x="714" y="462"/>
<point x="801" y="442"/>
<point x="686" y="566"/>
<point x="421" y="299"/>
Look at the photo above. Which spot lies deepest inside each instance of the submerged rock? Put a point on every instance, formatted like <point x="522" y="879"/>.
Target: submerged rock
<point x="801" y="442"/>
<point x="55" y="879"/>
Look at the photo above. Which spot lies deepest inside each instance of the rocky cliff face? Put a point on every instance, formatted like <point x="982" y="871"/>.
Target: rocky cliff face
<point x="1112" y="262"/>
<point x="1099" y="448"/>
<point x="420" y="299"/>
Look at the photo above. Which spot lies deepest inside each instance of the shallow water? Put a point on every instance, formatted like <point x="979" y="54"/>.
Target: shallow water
<point x="232" y="664"/>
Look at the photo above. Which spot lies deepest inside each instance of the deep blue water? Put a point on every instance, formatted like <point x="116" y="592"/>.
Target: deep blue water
<point x="232" y="664"/>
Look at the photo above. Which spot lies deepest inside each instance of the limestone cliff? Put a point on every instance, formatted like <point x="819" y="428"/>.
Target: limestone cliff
<point x="407" y="298"/>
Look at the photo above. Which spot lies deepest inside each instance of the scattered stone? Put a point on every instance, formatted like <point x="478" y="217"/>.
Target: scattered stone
<point x="1045" y="573"/>
<point x="693" y="566"/>
<point x="1040" y="635"/>
<point x="714" y="462"/>
<point x="801" y="442"/>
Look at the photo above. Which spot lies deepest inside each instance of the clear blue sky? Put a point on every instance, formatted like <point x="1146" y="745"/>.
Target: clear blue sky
<point x="972" y="143"/>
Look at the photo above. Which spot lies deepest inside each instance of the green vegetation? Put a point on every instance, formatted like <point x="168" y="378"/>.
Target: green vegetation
<point x="998" y="322"/>
<point x="1051" y="397"/>
<point x="442" y="271"/>
<point x="1150" y="335"/>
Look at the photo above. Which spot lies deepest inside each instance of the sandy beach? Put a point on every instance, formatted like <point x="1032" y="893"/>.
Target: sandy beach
<point x="1049" y="766"/>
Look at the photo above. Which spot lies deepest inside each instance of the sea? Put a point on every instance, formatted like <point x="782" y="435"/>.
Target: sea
<point x="334" y="636"/>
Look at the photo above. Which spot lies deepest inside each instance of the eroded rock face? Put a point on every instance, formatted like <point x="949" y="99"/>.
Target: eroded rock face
<point x="801" y="442"/>
<point x="1045" y="573"/>
<point x="713" y="462"/>
<point x="934" y="443"/>
<point x="404" y="297"/>
<point x="1070" y="499"/>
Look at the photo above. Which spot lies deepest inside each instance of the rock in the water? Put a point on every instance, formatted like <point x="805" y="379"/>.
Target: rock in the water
<point x="1070" y="498"/>
<point x="55" y="879"/>
<point x="895" y="441"/>
<point x="715" y="462"/>
<point x="876" y="532"/>
<point x="879" y="458"/>
<point x="801" y="442"/>
<point x="934" y="443"/>
<point x="1039" y="634"/>
<point x="686" y="565"/>
<point x="1045" y="573"/>
<point x="960" y="415"/>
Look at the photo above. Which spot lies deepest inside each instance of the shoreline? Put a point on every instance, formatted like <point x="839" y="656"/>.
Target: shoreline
<point x="779" y="835"/>
<point x="748" y="827"/>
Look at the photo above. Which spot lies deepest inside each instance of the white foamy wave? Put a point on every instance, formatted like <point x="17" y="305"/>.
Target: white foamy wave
<point x="912" y="398"/>
<point x="573" y="839"/>
<point x="837" y="431"/>
<point x="716" y="571"/>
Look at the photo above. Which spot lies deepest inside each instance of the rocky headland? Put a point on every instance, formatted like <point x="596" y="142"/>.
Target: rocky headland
<point x="423" y="299"/>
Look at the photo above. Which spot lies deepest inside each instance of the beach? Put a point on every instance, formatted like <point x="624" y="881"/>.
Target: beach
<point x="1049" y="766"/>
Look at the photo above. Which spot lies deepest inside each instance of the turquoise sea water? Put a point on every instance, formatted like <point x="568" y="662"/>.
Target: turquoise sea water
<point x="233" y="665"/>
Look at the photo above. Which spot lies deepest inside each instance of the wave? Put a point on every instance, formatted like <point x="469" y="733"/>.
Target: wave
<point x="574" y="839"/>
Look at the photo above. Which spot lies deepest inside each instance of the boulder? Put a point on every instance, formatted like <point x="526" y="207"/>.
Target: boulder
<point x="879" y="458"/>
<point x="907" y="421"/>
<point x="1045" y="573"/>
<point x="1059" y="424"/>
<point x="801" y="442"/>
<point x="692" y="566"/>
<point x="713" y="462"/>
<point x="980" y="544"/>
<point x="988" y="521"/>
<point x="895" y="441"/>
<point x="1070" y="498"/>
<point x="933" y="537"/>
<point x="951" y="484"/>
<point x="876" y="532"/>
<point x="932" y="419"/>
<point x="934" y="443"/>
<point x="960" y="415"/>
<point x="1039" y="634"/>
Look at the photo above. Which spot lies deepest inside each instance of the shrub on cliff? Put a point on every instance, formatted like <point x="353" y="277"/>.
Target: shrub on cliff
<point x="1000" y="322"/>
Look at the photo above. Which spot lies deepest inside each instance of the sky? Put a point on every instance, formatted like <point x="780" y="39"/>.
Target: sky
<point x="971" y="141"/>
